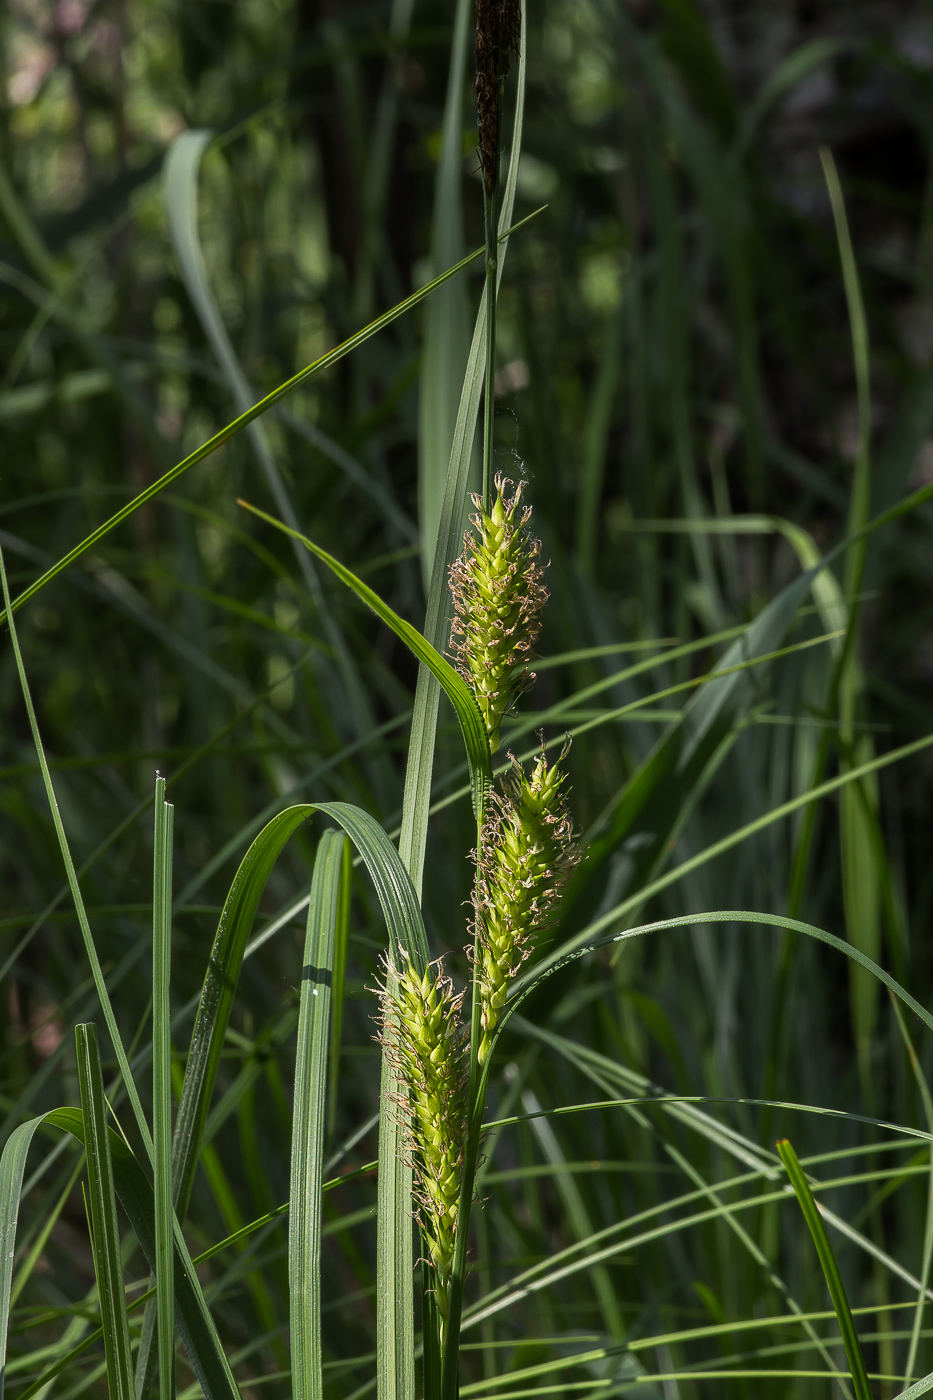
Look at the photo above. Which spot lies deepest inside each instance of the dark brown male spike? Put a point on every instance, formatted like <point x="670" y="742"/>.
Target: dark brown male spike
<point x="498" y="27"/>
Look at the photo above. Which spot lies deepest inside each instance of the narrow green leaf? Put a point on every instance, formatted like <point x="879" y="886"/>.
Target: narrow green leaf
<point x="194" y="1322"/>
<point x="224" y="435"/>
<point x="65" y="1361"/>
<point x="577" y="1212"/>
<point x="304" y="1221"/>
<point x="830" y="1269"/>
<point x="781" y="80"/>
<point x="337" y="992"/>
<point x="921" y="1387"/>
<point x="525" y="985"/>
<point x="72" y="877"/>
<point x="735" y="838"/>
<point x="861" y="878"/>
<point x="162" y="1089"/>
<point x="417" y="799"/>
<point x="455" y="687"/>
<point x="406" y="929"/>
<point x="12" y="1168"/>
<point x="181" y="206"/>
<point x="105" y="1234"/>
<point x="927" y="1256"/>
<point x="446" y="327"/>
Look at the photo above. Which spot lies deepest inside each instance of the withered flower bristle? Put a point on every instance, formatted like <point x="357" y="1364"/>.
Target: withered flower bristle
<point x="526" y="855"/>
<point x="423" y="1034"/>
<point x="498" y="593"/>
<point x="498" y="32"/>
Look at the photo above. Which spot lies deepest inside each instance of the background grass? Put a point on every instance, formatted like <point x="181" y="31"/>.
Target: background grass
<point x="675" y="347"/>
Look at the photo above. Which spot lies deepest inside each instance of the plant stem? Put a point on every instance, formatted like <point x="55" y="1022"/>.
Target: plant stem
<point x="476" y="1093"/>
<point x="490" y="204"/>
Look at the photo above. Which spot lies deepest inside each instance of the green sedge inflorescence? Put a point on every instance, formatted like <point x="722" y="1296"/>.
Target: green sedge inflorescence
<point x="525" y="856"/>
<point x="525" y="853"/>
<point x="497" y="591"/>
<point x="423" y="1033"/>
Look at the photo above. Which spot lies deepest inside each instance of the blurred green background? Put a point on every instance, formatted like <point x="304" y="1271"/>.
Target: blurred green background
<point x="674" y="349"/>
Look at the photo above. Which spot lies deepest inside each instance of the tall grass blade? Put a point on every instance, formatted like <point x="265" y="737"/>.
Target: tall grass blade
<point x="927" y="1256"/>
<point x="394" y="1235"/>
<point x="454" y="686"/>
<point x="626" y="907"/>
<point x="527" y="984"/>
<point x="181" y="206"/>
<point x="308" y="1130"/>
<point x="162" y="1090"/>
<point x="338" y="988"/>
<point x="406" y="928"/>
<point x="71" y="874"/>
<point x="402" y="914"/>
<point x="576" y="1211"/>
<point x="861" y="878"/>
<point x="12" y="1170"/>
<point x="105" y="1234"/>
<point x="921" y="1387"/>
<point x="830" y="1269"/>
<point x="445" y="344"/>
<point x="193" y="1319"/>
<point x="595" y="444"/>
<point x="238" y="1237"/>
<point x="417" y="799"/>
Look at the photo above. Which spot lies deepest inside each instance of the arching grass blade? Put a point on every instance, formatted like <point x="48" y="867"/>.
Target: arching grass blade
<point x="304" y="1221"/>
<point x="830" y="1269"/>
<point x="231" y="429"/>
<point x="455" y="687"/>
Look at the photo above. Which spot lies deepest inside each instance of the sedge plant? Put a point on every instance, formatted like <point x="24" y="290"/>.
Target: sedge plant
<point x="524" y="854"/>
<point x="602" y="1164"/>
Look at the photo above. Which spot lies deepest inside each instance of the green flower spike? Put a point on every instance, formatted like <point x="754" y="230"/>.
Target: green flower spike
<point x="527" y="852"/>
<point x="423" y="1033"/>
<point x="498" y="596"/>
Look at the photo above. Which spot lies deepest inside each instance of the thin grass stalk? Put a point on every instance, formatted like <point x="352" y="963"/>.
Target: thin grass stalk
<point x="490" y="202"/>
<point x="104" y="1230"/>
<point x="71" y="874"/>
<point x="489" y="103"/>
<point x="162" y="1087"/>
<point x="830" y="1269"/>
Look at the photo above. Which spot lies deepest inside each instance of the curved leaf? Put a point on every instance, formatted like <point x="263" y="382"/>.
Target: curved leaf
<point x="455" y="687"/>
<point x="309" y="1124"/>
<point x="830" y="1268"/>
<point x="257" y="409"/>
<point x="406" y="930"/>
